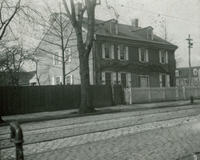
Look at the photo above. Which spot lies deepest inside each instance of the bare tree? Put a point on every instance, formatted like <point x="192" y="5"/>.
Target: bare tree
<point x="13" y="59"/>
<point x="84" y="47"/>
<point x="58" y="27"/>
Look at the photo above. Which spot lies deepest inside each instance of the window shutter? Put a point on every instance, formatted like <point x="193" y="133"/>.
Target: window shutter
<point x="103" y="78"/>
<point x="119" y="78"/>
<point x="166" y="57"/>
<point x="127" y="54"/>
<point x="60" y="57"/>
<point x="54" y="60"/>
<point x="160" y="79"/>
<point x="139" y="52"/>
<point x="114" y="78"/>
<point x="118" y="51"/>
<point x="71" y="79"/>
<point x="128" y="79"/>
<point x="160" y="56"/>
<point x="53" y="81"/>
<point x="168" y="80"/>
<point x="147" y="55"/>
<point x="112" y="52"/>
<point x="103" y="50"/>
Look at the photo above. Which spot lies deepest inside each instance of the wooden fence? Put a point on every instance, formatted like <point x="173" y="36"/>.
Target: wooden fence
<point x="29" y="99"/>
<point x="141" y="95"/>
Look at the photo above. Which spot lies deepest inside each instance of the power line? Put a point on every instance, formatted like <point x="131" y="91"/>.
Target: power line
<point x="164" y="15"/>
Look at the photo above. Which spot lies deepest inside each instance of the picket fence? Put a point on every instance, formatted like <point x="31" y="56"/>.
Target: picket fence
<point x="142" y="95"/>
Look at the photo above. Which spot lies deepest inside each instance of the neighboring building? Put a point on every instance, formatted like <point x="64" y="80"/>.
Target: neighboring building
<point x="22" y="77"/>
<point x="121" y="54"/>
<point x="182" y="76"/>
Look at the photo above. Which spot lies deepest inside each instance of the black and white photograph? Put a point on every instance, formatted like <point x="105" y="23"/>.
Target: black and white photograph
<point x="99" y="79"/>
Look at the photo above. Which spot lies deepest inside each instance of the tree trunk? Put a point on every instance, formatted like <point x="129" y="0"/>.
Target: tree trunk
<point x="86" y="101"/>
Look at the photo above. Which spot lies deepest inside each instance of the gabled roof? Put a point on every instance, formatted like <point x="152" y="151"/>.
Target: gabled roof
<point x="127" y="32"/>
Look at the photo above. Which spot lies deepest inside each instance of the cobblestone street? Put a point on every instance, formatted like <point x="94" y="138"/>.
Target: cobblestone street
<point x="167" y="133"/>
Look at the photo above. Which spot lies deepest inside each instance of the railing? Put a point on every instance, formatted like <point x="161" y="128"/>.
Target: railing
<point x="16" y="136"/>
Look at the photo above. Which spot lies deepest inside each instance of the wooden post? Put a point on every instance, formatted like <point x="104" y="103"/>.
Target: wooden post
<point x="17" y="138"/>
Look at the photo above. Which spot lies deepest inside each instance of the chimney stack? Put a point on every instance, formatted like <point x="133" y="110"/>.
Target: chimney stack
<point x="135" y="22"/>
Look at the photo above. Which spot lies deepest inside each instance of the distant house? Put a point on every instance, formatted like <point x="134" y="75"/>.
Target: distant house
<point x="182" y="76"/>
<point x="22" y="77"/>
<point x="121" y="54"/>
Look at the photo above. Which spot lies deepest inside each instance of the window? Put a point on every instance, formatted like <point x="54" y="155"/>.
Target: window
<point x="164" y="80"/>
<point x="114" y="27"/>
<point x="122" y="52"/>
<point x="108" y="78"/>
<point x="143" y="55"/>
<point x="56" y="80"/>
<point x="107" y="51"/>
<point x="177" y="73"/>
<point x="163" y="56"/>
<point x="69" y="79"/>
<point x="68" y="55"/>
<point x="144" y="81"/>
<point x="57" y="58"/>
<point x="195" y="72"/>
<point x="150" y="33"/>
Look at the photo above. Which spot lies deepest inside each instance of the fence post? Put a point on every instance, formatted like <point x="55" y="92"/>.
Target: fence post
<point x="16" y="136"/>
<point x="164" y="95"/>
<point x="183" y="90"/>
<point x="130" y="93"/>
<point x="177" y="94"/>
<point x="149" y="94"/>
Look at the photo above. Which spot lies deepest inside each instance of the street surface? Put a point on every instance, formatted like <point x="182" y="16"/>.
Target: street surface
<point x="155" y="134"/>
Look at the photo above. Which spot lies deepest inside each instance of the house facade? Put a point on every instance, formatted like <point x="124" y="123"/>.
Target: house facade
<point x="122" y="54"/>
<point x="182" y="76"/>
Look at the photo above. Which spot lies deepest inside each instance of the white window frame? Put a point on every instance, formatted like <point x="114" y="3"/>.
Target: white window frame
<point x="167" y="79"/>
<point x="71" y="79"/>
<point x="57" y="61"/>
<point x="111" y="50"/>
<point x="113" y="77"/>
<point x="177" y="73"/>
<point x="146" y="56"/>
<point x="195" y="72"/>
<point x="60" y="77"/>
<point x="126" y="52"/>
<point x="166" y="56"/>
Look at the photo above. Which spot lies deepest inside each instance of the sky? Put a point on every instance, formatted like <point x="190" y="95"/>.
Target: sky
<point x="180" y="17"/>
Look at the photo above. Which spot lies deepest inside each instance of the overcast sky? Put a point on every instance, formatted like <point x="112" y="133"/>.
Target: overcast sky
<point x="182" y="17"/>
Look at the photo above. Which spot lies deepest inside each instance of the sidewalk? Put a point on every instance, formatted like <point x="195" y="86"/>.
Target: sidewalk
<point x="42" y="116"/>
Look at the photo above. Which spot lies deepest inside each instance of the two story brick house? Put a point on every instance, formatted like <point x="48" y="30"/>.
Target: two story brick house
<point x="121" y="54"/>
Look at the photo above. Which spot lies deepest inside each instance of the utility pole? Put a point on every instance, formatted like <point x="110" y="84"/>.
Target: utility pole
<point x="190" y="44"/>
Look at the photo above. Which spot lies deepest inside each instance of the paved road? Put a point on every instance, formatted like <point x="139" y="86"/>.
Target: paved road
<point x="151" y="134"/>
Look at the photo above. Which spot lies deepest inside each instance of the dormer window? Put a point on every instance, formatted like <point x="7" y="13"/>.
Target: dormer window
<point x="114" y="27"/>
<point x="150" y="33"/>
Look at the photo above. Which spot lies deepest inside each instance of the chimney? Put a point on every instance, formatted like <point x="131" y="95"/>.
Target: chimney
<point x="135" y="22"/>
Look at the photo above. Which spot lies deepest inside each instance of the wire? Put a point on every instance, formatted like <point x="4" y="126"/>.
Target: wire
<point x="164" y="15"/>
